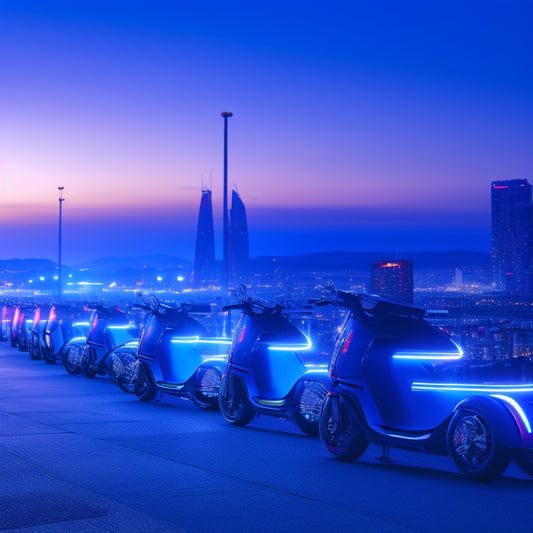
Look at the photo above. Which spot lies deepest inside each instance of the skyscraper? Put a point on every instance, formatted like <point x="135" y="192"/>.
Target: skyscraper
<point x="393" y="280"/>
<point x="512" y="236"/>
<point x="239" y="245"/>
<point x="204" y="257"/>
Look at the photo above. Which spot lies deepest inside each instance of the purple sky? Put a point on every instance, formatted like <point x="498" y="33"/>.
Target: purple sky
<point x="357" y="125"/>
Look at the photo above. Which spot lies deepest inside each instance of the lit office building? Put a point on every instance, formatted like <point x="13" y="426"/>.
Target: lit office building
<point x="512" y="246"/>
<point x="204" y="257"/>
<point x="239" y="245"/>
<point x="393" y="280"/>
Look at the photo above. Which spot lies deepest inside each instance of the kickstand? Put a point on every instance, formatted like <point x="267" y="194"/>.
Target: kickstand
<point x="386" y="459"/>
<point x="160" y="399"/>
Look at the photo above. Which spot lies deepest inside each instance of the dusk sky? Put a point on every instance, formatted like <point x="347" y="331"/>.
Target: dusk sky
<point x="358" y="126"/>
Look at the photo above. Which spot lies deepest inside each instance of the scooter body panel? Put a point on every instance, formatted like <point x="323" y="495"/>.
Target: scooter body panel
<point x="175" y="350"/>
<point x="275" y="362"/>
<point x="406" y="381"/>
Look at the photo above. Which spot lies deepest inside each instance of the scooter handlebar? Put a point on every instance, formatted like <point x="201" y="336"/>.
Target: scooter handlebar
<point x="249" y="304"/>
<point x="380" y="307"/>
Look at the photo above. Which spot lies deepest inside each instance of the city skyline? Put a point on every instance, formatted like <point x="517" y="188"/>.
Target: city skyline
<point x="357" y="128"/>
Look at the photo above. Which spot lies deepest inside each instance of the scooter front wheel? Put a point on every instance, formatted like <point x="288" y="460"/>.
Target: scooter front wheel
<point x="524" y="459"/>
<point x="33" y="348"/>
<point x="339" y="432"/>
<point x="143" y="389"/>
<point x="234" y="404"/>
<point x="48" y="353"/>
<point x="88" y="365"/>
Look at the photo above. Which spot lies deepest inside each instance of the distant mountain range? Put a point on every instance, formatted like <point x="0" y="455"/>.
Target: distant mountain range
<point x="321" y="261"/>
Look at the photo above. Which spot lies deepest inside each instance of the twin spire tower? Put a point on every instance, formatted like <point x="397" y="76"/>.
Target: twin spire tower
<point x="235" y="232"/>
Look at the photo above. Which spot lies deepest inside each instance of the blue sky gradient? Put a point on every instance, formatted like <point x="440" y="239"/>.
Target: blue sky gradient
<point x="357" y="125"/>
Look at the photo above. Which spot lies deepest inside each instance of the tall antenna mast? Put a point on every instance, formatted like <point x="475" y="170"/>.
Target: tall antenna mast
<point x="226" y="115"/>
<point x="59" y="280"/>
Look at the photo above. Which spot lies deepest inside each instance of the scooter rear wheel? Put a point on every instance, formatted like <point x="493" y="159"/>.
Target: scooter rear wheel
<point x="208" y="383"/>
<point x="473" y="447"/>
<point x="122" y="370"/>
<point x="342" y="438"/>
<point x="524" y="459"/>
<point x="235" y="407"/>
<point x="309" y="399"/>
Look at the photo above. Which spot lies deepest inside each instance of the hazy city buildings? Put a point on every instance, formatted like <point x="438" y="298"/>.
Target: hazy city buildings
<point x="204" y="257"/>
<point x="512" y="236"/>
<point x="393" y="280"/>
<point x="239" y="244"/>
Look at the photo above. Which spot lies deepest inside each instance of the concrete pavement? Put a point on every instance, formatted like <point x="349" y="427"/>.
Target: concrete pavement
<point x="81" y="455"/>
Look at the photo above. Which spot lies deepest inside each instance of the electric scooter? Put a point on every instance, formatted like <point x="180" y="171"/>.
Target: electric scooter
<point x="36" y="340"/>
<point x="400" y="382"/>
<point x="272" y="369"/>
<point x="5" y="324"/>
<point x="24" y="327"/>
<point x="65" y="322"/>
<point x="177" y="356"/>
<point x="111" y="330"/>
<point x="15" y="323"/>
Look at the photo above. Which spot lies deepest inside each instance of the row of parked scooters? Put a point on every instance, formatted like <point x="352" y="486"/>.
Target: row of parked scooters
<point x="387" y="376"/>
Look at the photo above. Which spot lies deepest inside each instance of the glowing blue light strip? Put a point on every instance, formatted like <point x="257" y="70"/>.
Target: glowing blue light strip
<point x="84" y="339"/>
<point x="463" y="387"/>
<point x="314" y="368"/>
<point x="298" y="347"/>
<point x="129" y="326"/>
<point x="220" y="357"/>
<point x="430" y="356"/>
<point x="198" y="340"/>
<point x="517" y="408"/>
<point x="81" y="324"/>
<point x="316" y="371"/>
<point x="314" y="365"/>
<point x="270" y="403"/>
<point x="405" y="437"/>
<point x="131" y="344"/>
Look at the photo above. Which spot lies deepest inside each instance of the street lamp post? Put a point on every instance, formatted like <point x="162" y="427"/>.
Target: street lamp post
<point x="226" y="237"/>
<point x="59" y="280"/>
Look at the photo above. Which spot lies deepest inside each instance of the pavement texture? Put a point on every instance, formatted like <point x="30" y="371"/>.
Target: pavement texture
<point x="80" y="455"/>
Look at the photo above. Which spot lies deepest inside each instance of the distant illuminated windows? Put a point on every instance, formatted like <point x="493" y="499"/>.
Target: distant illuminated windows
<point x="393" y="280"/>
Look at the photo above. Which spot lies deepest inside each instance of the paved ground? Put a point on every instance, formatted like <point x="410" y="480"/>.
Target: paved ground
<point x="80" y="455"/>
